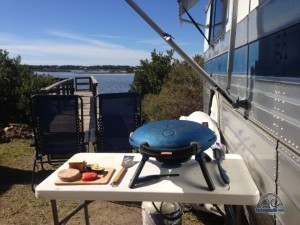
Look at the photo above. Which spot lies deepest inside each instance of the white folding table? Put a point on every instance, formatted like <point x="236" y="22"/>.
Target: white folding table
<point x="188" y="187"/>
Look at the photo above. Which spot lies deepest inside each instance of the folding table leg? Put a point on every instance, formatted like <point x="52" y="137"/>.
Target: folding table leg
<point x="83" y="205"/>
<point x="54" y="212"/>
<point x="238" y="214"/>
<point x="86" y="212"/>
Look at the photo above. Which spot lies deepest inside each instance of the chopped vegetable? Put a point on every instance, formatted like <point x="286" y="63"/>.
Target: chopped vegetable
<point x="89" y="176"/>
<point x="95" y="167"/>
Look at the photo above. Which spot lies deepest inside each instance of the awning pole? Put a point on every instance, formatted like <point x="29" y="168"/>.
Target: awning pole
<point x="193" y="64"/>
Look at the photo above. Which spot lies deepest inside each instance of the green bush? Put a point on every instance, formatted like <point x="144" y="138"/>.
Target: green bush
<point x="17" y="84"/>
<point x="150" y="77"/>
<point x="181" y="94"/>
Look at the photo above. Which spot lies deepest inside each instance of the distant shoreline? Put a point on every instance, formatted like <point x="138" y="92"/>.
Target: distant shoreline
<point x="86" y="71"/>
<point x="98" y="71"/>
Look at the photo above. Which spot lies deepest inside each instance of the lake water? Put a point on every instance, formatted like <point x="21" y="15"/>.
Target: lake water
<point x="107" y="83"/>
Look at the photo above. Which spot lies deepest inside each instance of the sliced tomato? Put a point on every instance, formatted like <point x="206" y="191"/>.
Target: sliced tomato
<point x="89" y="176"/>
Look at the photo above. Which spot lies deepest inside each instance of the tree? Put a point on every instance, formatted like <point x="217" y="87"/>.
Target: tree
<point x="149" y="78"/>
<point x="17" y="84"/>
<point x="181" y="94"/>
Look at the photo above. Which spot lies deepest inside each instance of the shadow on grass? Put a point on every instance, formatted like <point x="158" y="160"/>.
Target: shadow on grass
<point x="12" y="176"/>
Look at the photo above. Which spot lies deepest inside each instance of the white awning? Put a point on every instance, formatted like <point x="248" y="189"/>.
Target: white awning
<point x="187" y="4"/>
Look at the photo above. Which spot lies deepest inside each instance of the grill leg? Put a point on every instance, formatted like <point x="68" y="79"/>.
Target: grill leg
<point x="138" y="171"/>
<point x="209" y="182"/>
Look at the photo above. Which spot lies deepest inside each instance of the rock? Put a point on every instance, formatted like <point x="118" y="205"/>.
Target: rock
<point x="15" y="131"/>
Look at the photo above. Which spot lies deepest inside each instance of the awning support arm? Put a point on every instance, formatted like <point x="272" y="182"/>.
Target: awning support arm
<point x="168" y="38"/>
<point x="196" y="25"/>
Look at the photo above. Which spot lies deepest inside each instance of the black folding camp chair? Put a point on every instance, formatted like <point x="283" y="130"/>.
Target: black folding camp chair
<point x="117" y="115"/>
<point x="57" y="122"/>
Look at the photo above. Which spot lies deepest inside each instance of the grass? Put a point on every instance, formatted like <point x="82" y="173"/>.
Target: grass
<point x="19" y="205"/>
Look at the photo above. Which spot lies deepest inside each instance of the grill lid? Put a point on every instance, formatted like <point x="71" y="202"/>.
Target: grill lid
<point x="172" y="135"/>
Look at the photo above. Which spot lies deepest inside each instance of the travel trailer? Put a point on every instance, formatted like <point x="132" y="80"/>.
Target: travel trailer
<point x="252" y="69"/>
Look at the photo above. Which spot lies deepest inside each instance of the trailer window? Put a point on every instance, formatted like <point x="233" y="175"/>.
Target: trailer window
<point x="216" y="18"/>
<point x="240" y="61"/>
<point x="219" y="64"/>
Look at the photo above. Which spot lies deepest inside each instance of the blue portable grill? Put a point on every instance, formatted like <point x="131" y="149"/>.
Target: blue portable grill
<point x="172" y="142"/>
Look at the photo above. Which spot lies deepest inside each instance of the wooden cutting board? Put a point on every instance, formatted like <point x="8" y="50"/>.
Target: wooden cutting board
<point x="103" y="178"/>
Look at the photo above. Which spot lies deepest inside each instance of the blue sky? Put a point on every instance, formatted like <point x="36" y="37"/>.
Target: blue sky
<point x="92" y="32"/>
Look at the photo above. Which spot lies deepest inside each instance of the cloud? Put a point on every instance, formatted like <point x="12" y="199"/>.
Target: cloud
<point x="83" y="39"/>
<point x="108" y="36"/>
<point x="150" y="42"/>
<point x="59" y="54"/>
<point x="61" y="48"/>
<point x="154" y="41"/>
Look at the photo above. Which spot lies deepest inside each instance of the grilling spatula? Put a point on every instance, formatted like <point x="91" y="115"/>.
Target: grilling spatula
<point x="126" y="163"/>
